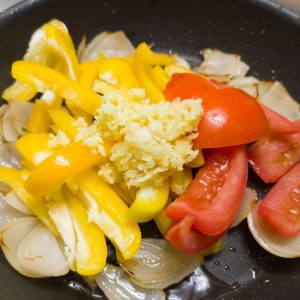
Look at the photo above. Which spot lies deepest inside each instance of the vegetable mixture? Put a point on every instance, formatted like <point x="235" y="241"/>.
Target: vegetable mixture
<point x="96" y="141"/>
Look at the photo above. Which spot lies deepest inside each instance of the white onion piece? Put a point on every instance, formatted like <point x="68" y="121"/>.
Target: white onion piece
<point x="115" y="44"/>
<point x="248" y="84"/>
<point x="270" y="240"/>
<point x="181" y="61"/>
<point x="81" y="47"/>
<point x="41" y="254"/>
<point x="249" y="201"/>
<point x="275" y="96"/>
<point x="14" y="201"/>
<point x="10" y="133"/>
<point x="157" y="265"/>
<point x="117" y="286"/>
<point x="20" y="112"/>
<point x="8" y="214"/>
<point x="222" y="66"/>
<point x="11" y="237"/>
<point x="9" y="156"/>
<point x="3" y="109"/>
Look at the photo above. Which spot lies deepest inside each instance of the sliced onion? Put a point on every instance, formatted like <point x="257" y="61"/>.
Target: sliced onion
<point x="41" y="254"/>
<point x="248" y="84"/>
<point x="117" y="286"/>
<point x="270" y="240"/>
<point x="9" y="130"/>
<point x="157" y="265"/>
<point x="11" y="237"/>
<point x="81" y="47"/>
<point x="275" y="96"/>
<point x="14" y="201"/>
<point x="181" y="61"/>
<point x="9" y="156"/>
<point x="115" y="44"/>
<point x="20" y="112"/>
<point x="249" y="201"/>
<point x="222" y="66"/>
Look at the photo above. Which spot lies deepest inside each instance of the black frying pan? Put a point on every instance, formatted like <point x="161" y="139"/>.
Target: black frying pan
<point x="267" y="37"/>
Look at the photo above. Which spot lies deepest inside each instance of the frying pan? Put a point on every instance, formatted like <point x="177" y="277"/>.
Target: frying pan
<point x="267" y="37"/>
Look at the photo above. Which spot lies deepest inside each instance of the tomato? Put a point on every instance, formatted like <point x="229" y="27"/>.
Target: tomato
<point x="280" y="208"/>
<point x="279" y="124"/>
<point x="272" y="157"/>
<point x="231" y="117"/>
<point x="189" y="240"/>
<point x="214" y="196"/>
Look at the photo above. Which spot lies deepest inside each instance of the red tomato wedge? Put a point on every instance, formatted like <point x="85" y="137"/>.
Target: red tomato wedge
<point x="279" y="124"/>
<point x="188" y="240"/>
<point x="214" y="196"/>
<point x="280" y="208"/>
<point x="272" y="157"/>
<point x="231" y="117"/>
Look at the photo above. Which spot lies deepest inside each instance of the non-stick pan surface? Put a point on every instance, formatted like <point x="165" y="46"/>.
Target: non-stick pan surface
<point x="267" y="37"/>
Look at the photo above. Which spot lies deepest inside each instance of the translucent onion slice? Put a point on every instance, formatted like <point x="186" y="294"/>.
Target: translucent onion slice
<point x="270" y="240"/>
<point x="14" y="201"/>
<point x="41" y="254"/>
<point x="157" y="265"/>
<point x="117" y="286"/>
<point x="248" y="84"/>
<point x="275" y="96"/>
<point x="115" y="44"/>
<point x="11" y="237"/>
<point x="10" y="133"/>
<point x="249" y="201"/>
<point x="222" y="66"/>
<point x="9" y="156"/>
<point x="20" y="112"/>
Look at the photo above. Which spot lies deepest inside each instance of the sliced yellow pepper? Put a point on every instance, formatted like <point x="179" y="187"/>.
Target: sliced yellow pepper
<point x="110" y="213"/>
<point x="144" y="60"/>
<point x="197" y="162"/>
<point x="34" y="147"/>
<point x="174" y="68"/>
<point x="63" y="121"/>
<point x="19" y="91"/>
<point x="43" y="78"/>
<point x="120" y="71"/>
<point x="78" y="112"/>
<point x="14" y="179"/>
<point x="39" y="121"/>
<point x="62" y="164"/>
<point x="162" y="222"/>
<point x="149" y="201"/>
<point x="163" y="59"/>
<point x="160" y="77"/>
<point x="91" y="249"/>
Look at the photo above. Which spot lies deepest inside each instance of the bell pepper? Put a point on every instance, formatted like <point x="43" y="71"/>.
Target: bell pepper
<point x="39" y="121"/>
<point x="160" y="77"/>
<point x="34" y="147"/>
<point x="162" y="222"/>
<point x="197" y="162"/>
<point x="144" y="60"/>
<point x="163" y="59"/>
<point x="91" y="250"/>
<point x="44" y="78"/>
<point x="149" y="201"/>
<point x="62" y="164"/>
<point x="63" y="121"/>
<point x="78" y="112"/>
<point x="14" y="179"/>
<point x="109" y="212"/>
<point x="174" y="68"/>
<point x="180" y="181"/>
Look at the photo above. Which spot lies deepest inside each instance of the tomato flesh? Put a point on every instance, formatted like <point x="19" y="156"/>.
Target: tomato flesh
<point x="189" y="240"/>
<point x="280" y="208"/>
<point x="272" y="157"/>
<point x="214" y="196"/>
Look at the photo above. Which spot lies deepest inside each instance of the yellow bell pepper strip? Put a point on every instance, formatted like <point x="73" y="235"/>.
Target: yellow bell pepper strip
<point x="39" y="121"/>
<point x="129" y="59"/>
<point x="149" y="201"/>
<point x="34" y="147"/>
<point x="62" y="164"/>
<point x="63" y="121"/>
<point x="180" y="181"/>
<point x="43" y="78"/>
<point x="162" y="222"/>
<point x="163" y="59"/>
<point x="78" y="112"/>
<point x="144" y="60"/>
<point x="197" y="162"/>
<point x="119" y="71"/>
<point x="59" y="43"/>
<point x="109" y="212"/>
<point x="19" y="91"/>
<point x="38" y="206"/>
<point x="174" y="68"/>
<point x="126" y="195"/>
<point x="91" y="250"/>
<point x="160" y="77"/>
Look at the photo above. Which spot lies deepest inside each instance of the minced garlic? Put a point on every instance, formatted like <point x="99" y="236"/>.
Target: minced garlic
<point x="60" y="139"/>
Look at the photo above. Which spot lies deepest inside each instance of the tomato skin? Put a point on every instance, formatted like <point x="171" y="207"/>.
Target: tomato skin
<point x="188" y="240"/>
<point x="280" y="208"/>
<point x="272" y="157"/>
<point x="231" y="117"/>
<point x="214" y="196"/>
<point x="279" y="124"/>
